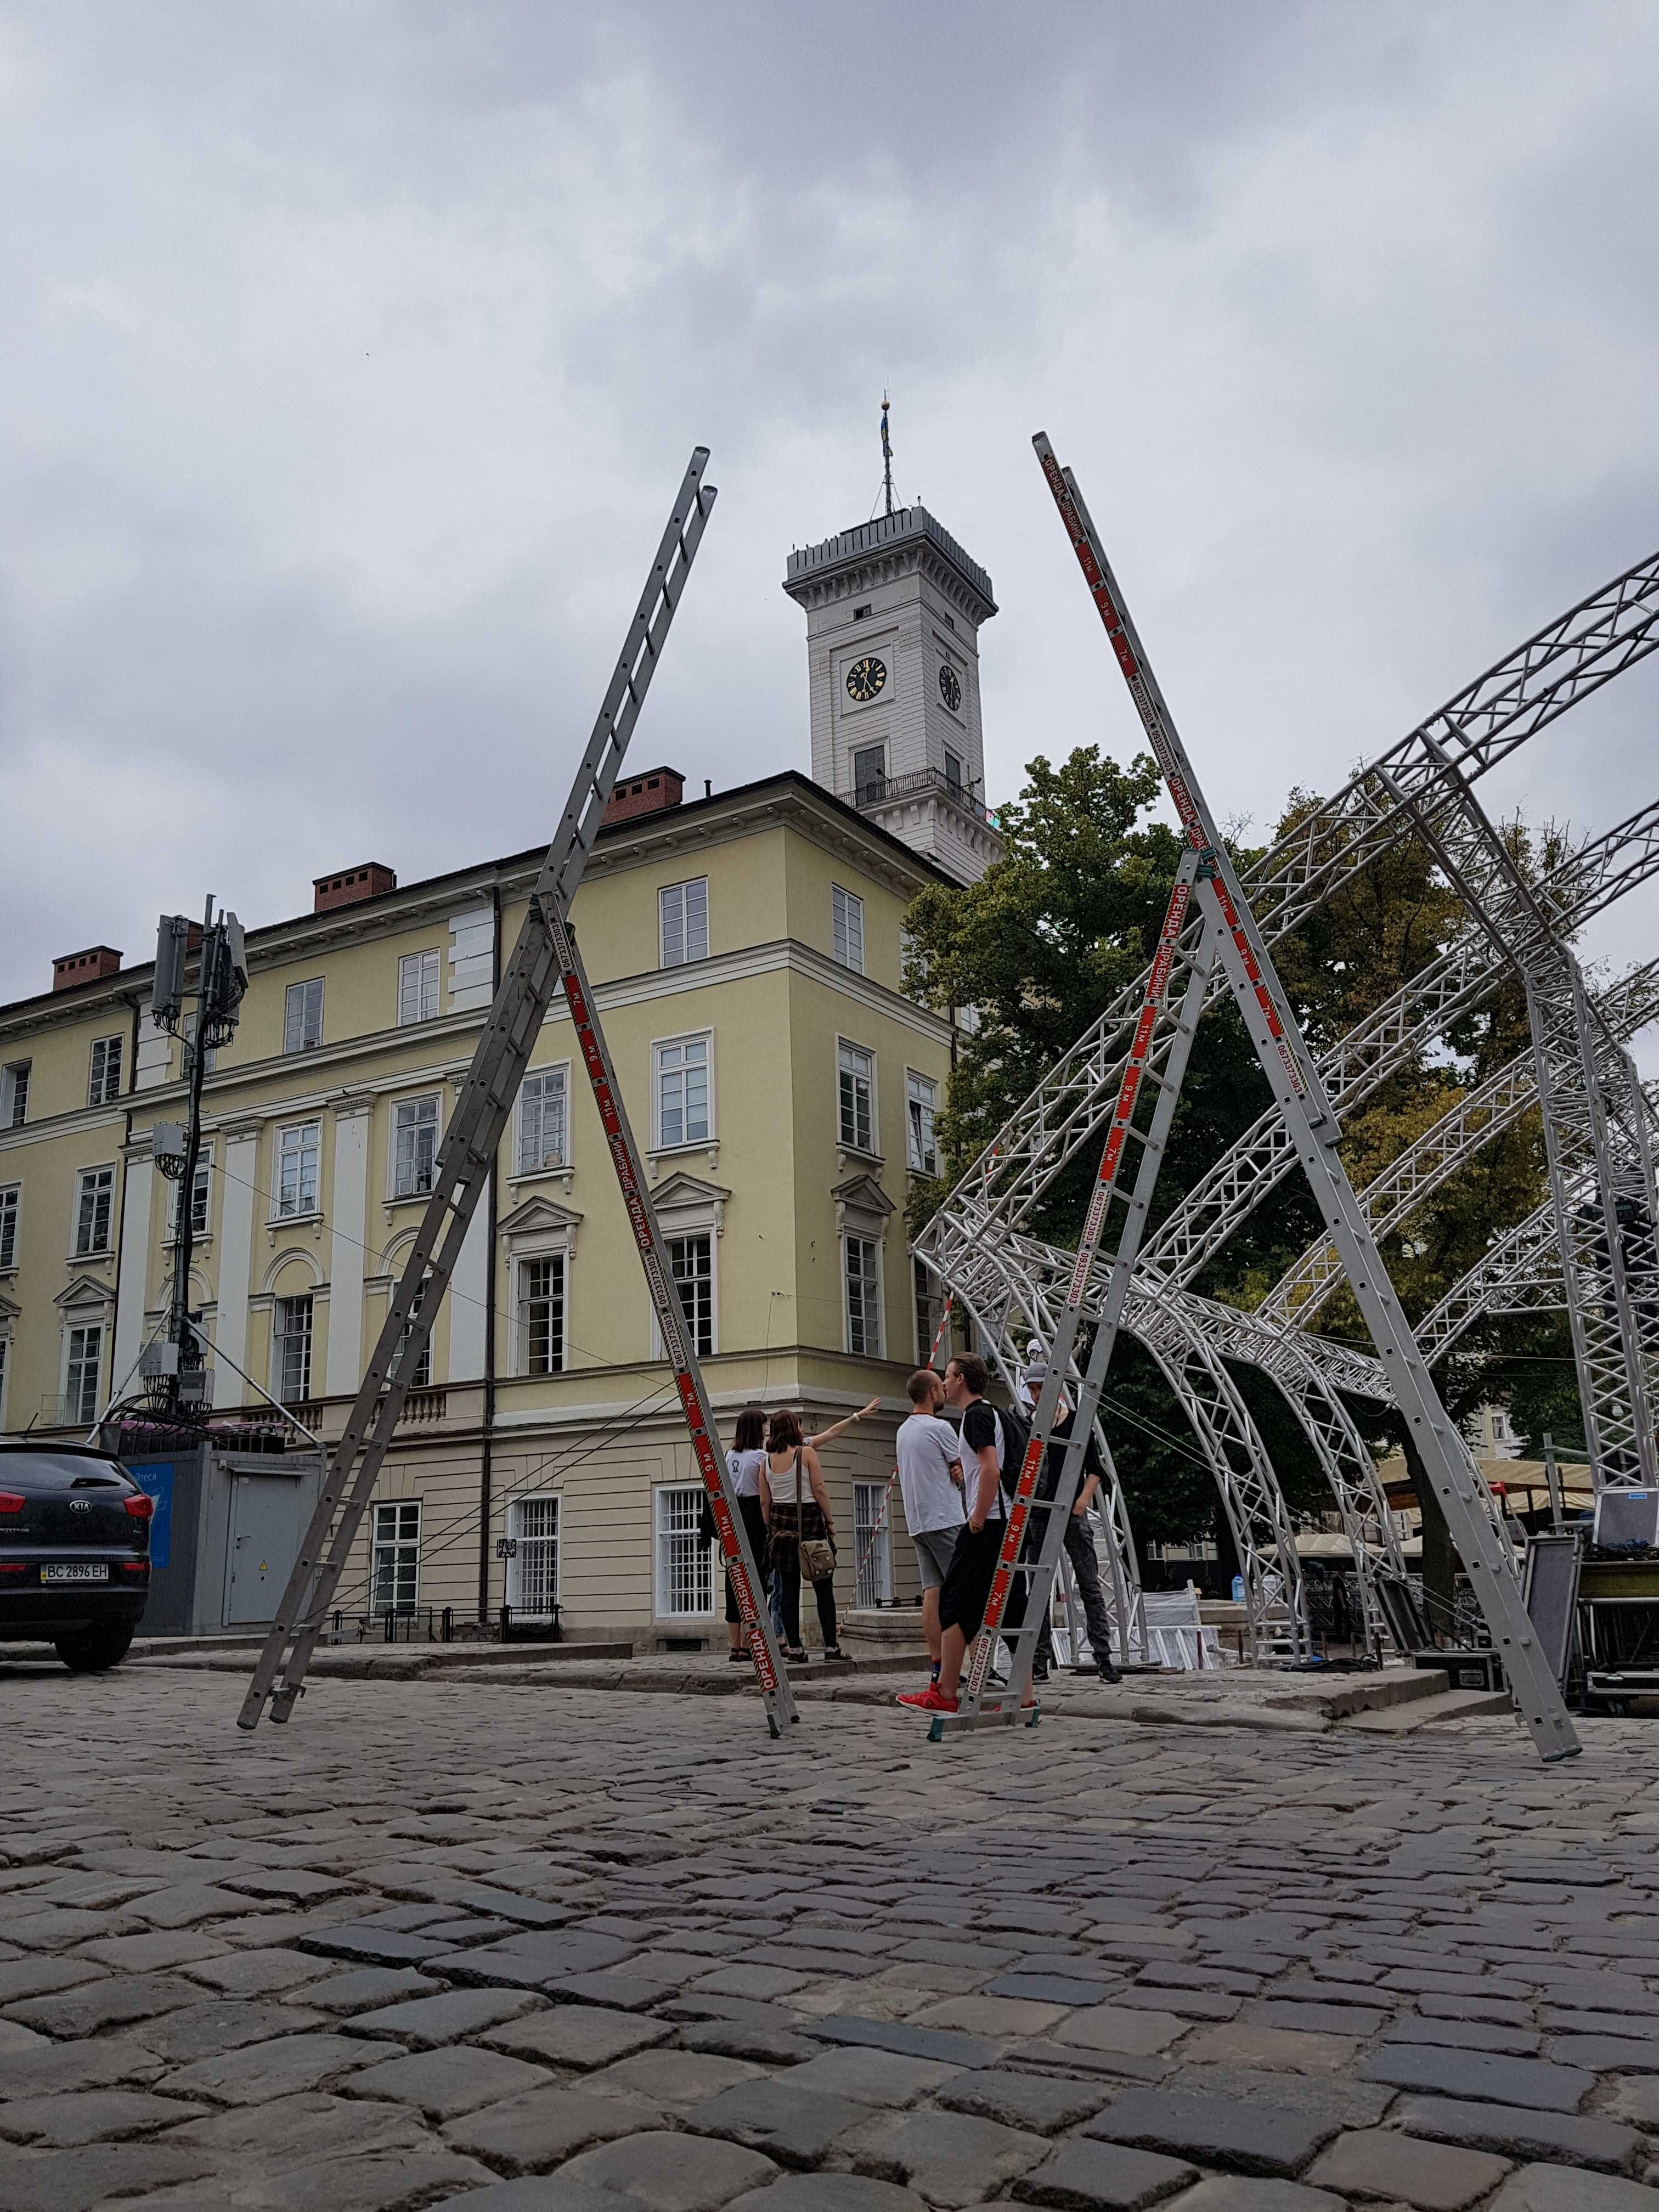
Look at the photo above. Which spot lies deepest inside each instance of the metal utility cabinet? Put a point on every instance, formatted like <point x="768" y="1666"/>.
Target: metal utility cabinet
<point x="225" y="1535"/>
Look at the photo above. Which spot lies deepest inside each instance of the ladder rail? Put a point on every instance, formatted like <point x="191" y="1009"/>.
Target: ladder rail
<point x="468" y="1152"/>
<point x="1285" y="1058"/>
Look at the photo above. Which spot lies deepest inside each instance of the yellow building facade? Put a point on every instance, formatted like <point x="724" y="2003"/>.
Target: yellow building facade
<point x="745" y="951"/>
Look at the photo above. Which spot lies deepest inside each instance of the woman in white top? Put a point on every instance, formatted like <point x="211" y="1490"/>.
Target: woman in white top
<point x="797" y="1506"/>
<point x="743" y="1463"/>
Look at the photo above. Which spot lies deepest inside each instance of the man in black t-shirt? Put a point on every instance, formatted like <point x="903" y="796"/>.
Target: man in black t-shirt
<point x="990" y="1458"/>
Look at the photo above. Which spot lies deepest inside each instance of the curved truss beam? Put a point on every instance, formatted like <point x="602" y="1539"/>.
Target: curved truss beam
<point x="1493" y="1106"/>
<point x="1390" y="1038"/>
<point x="1583" y="649"/>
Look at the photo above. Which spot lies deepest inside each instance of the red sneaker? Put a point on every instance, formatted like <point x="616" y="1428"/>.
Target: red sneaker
<point x="929" y="1700"/>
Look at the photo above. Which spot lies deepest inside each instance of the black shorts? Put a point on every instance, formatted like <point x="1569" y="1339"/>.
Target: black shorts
<point x="967" y="1586"/>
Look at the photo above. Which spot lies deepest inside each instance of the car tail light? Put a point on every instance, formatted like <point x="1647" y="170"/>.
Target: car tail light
<point x="14" y="1566"/>
<point x="141" y="1507"/>
<point x="133" y="1566"/>
<point x="10" y="1502"/>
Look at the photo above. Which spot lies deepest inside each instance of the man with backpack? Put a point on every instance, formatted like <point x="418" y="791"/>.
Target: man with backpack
<point x="994" y="1443"/>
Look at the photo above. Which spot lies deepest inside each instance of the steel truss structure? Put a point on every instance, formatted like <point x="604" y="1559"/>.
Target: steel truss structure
<point x="1417" y="786"/>
<point x="544" y="959"/>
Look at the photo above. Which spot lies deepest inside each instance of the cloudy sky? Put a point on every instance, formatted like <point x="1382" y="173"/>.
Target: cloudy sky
<point x="353" y="352"/>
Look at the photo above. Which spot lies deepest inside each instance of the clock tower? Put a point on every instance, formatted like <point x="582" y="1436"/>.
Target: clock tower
<point x="893" y="613"/>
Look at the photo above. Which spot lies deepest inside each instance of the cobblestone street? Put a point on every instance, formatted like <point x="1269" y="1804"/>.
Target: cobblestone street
<point x="522" y="1946"/>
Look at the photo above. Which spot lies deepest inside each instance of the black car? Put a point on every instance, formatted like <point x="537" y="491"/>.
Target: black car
<point x="73" y="1551"/>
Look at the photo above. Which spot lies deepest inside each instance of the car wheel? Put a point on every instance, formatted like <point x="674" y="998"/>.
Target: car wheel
<point x="97" y="1648"/>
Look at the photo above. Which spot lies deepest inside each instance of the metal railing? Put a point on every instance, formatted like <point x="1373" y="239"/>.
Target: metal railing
<point x="883" y="790"/>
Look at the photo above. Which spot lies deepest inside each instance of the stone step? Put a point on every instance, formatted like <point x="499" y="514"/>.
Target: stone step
<point x="1367" y="1693"/>
<point x="1424" y="1712"/>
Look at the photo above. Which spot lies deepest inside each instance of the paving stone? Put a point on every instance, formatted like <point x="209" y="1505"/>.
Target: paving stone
<point x="294" y="1884"/>
<point x="541" y="2127"/>
<point x="1053" y="1989"/>
<point x="1115" y="2067"/>
<point x="37" y="1974"/>
<point x="1604" y="2053"/>
<point x="580" y="2036"/>
<point x="476" y="1897"/>
<point x="828" y="2193"/>
<point x="1569" y="2189"/>
<point x="1232" y="2192"/>
<point x="742" y="1980"/>
<point x="1376" y="2162"/>
<point x="680" y="2078"/>
<point x="442" y="2084"/>
<point x="670" y="2172"/>
<point x="1635" y="2096"/>
<point x="876" y="2078"/>
<point x="532" y="1956"/>
<point x="1255" y="2138"/>
<point x="625" y="1992"/>
<point x="996" y="2017"/>
<point x="256" y="1974"/>
<point x="54" y="1928"/>
<point x="424" y="2023"/>
<point x="90" y="2062"/>
<point x="182" y="1904"/>
<point x="1188" y="2004"/>
<point x="1509" y="2012"/>
<point x="910" y="2042"/>
<point x="157" y="1952"/>
<point x="115" y="2002"/>
<point x="1467" y="2035"/>
<point x="1566" y="2020"/>
<point x="949" y="2158"/>
<point x="1318" y="2019"/>
<point x="300" y="2131"/>
<point x="260" y="2071"/>
<point x="373" y="1947"/>
<point x="90" y="2116"/>
<point x="542" y="2192"/>
<point x="365" y="1988"/>
<point x="78" y="2179"/>
<point x="1531" y="2082"/>
<point x="1082" y="2176"/>
<point x="1111" y="2027"/>
<point x="1275" y="2050"/>
<point x="1041" y="2104"/>
<point x="743" y="2039"/>
<point x="794" y="2125"/>
<point x="195" y="2031"/>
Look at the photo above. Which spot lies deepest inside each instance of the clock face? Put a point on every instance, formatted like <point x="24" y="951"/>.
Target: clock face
<point x="950" y="686"/>
<point x="866" y="678"/>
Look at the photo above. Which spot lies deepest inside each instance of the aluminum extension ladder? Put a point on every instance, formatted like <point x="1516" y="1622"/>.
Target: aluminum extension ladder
<point x="1208" y="876"/>
<point x="544" y="958"/>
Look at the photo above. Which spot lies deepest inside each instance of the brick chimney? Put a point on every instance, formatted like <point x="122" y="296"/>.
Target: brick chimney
<point x="653" y="793"/>
<point x="352" y="884"/>
<point x="88" y="967"/>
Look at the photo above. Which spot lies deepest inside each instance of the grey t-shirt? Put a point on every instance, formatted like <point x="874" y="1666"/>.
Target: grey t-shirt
<point x="927" y="1446"/>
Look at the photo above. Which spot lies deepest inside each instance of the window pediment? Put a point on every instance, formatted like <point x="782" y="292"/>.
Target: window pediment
<point x="84" y="1290"/>
<point x="684" y="1202"/>
<point x="538" y="1217"/>
<point x="862" y="1205"/>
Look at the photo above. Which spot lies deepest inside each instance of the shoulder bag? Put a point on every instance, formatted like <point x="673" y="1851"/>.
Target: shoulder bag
<point x="818" y="1553"/>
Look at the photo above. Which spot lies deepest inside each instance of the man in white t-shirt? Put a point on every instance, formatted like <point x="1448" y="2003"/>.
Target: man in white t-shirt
<point x="930" y="1480"/>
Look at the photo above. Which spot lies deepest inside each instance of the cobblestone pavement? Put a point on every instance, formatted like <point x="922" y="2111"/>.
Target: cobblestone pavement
<point x="516" y="1947"/>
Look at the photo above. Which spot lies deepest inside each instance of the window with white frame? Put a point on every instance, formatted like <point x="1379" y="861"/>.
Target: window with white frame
<point x="291" y="1349"/>
<point x="15" y="1094"/>
<point x="11" y="1205"/>
<point x="421" y="1378"/>
<point x="198" y="1210"/>
<point x="685" y="1564"/>
<point x="414" y="1145"/>
<point x="84" y="1360"/>
<point x="873" y="1544"/>
<point x="299" y="1149"/>
<point x="869" y="775"/>
<point x="683" y="922"/>
<point x="921" y="1104"/>
<point x="952" y="772"/>
<point x="541" y="1314"/>
<point x="847" y="927"/>
<point x="691" y="1263"/>
<point x="94" y="1203"/>
<point x="302" y="1016"/>
<point x="417" y="988"/>
<point x="856" y="1086"/>
<point x="930" y="1311"/>
<point x="396" y="1562"/>
<point x="680" y="1090"/>
<point x="544" y="1109"/>
<point x="532" y="1572"/>
<point x="862" y="1268"/>
<point x="104" y="1081"/>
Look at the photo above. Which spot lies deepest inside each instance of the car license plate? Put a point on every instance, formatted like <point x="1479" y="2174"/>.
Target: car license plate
<point x="84" y="1571"/>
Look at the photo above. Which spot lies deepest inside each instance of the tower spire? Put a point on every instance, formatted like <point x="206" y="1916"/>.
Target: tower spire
<point x="886" y="458"/>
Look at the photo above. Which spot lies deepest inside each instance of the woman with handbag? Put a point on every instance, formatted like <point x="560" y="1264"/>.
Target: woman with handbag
<point x="802" y="1533"/>
<point x="743" y="1463"/>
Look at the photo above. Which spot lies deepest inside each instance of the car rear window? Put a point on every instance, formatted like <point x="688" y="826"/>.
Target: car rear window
<point x="59" y="1471"/>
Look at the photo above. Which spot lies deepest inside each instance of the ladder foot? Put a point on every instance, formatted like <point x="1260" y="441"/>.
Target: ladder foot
<point x="1036" y="1715"/>
<point x="936" y="1731"/>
